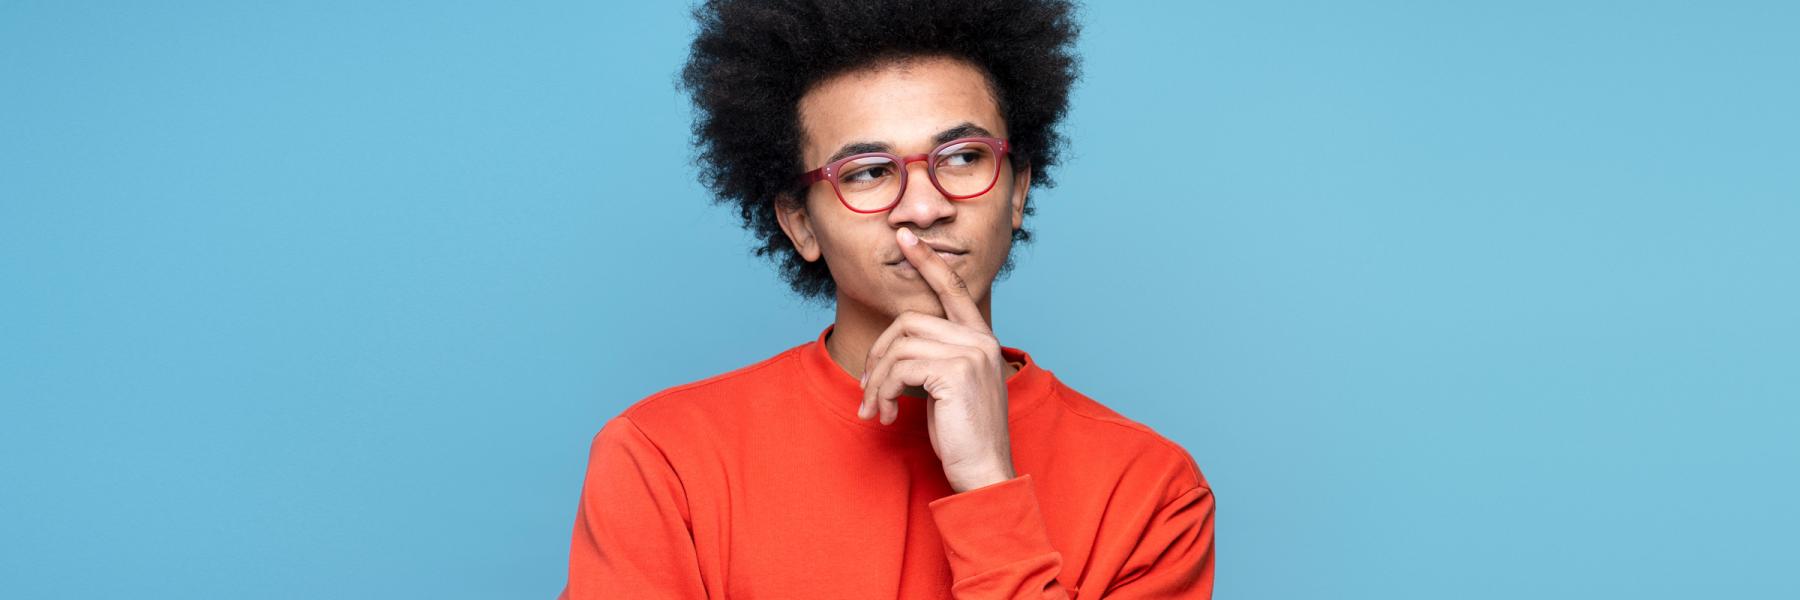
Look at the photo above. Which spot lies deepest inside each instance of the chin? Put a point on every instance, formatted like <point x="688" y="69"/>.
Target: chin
<point x="920" y="304"/>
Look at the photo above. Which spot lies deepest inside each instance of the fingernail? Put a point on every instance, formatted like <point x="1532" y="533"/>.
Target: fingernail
<point x="907" y="237"/>
<point x="865" y="380"/>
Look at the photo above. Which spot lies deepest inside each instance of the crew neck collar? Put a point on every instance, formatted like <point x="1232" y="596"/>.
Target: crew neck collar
<point x="842" y="393"/>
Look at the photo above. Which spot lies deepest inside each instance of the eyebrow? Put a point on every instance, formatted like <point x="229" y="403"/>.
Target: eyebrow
<point x="961" y="130"/>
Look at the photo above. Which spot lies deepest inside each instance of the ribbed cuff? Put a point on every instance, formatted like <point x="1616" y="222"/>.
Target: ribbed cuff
<point x="991" y="526"/>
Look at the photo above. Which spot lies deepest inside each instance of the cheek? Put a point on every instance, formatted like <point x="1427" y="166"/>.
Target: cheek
<point x="998" y="223"/>
<point x="849" y="250"/>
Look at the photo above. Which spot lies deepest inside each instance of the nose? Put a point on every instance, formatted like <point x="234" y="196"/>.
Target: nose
<point x="921" y="204"/>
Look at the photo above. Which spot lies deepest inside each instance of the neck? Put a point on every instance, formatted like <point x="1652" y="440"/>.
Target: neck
<point x="858" y="325"/>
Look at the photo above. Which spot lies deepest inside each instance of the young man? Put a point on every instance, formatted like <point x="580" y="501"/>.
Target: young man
<point x="883" y="151"/>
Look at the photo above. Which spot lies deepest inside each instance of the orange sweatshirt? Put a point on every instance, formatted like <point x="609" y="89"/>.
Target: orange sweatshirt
<point x="762" y="483"/>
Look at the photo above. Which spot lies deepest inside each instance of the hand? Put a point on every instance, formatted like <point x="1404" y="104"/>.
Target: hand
<point x="957" y="361"/>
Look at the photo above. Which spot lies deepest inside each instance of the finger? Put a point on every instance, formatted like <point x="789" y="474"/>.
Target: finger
<point x="874" y="403"/>
<point x="921" y="372"/>
<point x="880" y="395"/>
<point x="952" y="292"/>
<point x="903" y="373"/>
<point x="917" y="324"/>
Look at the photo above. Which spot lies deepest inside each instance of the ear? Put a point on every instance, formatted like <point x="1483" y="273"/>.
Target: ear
<point x="1021" y="187"/>
<point x="797" y="223"/>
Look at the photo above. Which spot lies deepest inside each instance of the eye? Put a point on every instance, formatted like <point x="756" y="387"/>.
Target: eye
<point x="963" y="155"/>
<point x="865" y="174"/>
<point x="962" y="158"/>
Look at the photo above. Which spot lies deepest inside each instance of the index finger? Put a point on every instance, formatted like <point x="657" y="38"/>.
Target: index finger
<point x="952" y="292"/>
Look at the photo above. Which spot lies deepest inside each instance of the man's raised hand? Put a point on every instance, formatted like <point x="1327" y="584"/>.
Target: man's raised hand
<point x="957" y="361"/>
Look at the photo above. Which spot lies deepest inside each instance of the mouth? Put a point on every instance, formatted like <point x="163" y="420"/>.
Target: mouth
<point x="950" y="254"/>
<point x="950" y="258"/>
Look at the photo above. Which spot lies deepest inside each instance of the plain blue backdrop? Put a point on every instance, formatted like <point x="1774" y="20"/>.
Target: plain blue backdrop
<point x="327" y="299"/>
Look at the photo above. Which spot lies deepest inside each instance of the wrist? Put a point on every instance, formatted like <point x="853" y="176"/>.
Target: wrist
<point x="960" y="483"/>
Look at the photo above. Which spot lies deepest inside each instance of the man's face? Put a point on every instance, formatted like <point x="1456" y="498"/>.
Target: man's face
<point x="906" y="107"/>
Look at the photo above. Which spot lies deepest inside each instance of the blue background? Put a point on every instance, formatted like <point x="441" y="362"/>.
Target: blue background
<point x="310" y="300"/>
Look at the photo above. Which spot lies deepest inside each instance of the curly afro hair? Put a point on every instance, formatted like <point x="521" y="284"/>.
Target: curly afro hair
<point x="752" y="60"/>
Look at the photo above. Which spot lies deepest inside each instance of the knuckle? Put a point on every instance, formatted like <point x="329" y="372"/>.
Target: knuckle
<point x="956" y="283"/>
<point x="990" y="345"/>
<point x="968" y="364"/>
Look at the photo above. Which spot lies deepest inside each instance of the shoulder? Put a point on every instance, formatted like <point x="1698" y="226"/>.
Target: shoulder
<point x="1140" y="450"/>
<point x="705" y="399"/>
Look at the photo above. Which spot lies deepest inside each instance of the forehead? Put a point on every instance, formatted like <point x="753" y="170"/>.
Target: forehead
<point x="902" y="104"/>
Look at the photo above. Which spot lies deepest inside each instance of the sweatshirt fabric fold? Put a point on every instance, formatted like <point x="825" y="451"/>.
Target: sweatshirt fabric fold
<point x="762" y="483"/>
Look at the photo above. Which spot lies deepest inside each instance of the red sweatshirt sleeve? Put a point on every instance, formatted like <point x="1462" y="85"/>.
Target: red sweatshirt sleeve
<point x="631" y="528"/>
<point x="1174" y="559"/>
<point x="998" y="546"/>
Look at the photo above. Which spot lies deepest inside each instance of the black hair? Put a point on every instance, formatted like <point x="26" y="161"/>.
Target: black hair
<point x="752" y="60"/>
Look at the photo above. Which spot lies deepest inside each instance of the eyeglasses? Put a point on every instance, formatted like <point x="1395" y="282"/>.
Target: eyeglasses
<point x="873" y="182"/>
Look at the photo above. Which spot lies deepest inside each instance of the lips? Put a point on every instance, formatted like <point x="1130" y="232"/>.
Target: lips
<point x="944" y="251"/>
<point x="950" y="259"/>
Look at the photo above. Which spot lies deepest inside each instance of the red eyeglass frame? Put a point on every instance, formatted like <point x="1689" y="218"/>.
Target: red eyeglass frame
<point x="829" y="171"/>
